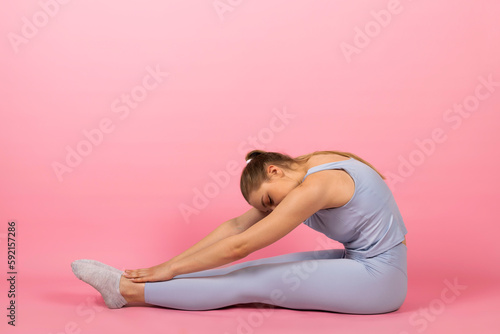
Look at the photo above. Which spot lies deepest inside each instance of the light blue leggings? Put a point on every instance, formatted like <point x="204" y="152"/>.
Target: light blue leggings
<point x="328" y="280"/>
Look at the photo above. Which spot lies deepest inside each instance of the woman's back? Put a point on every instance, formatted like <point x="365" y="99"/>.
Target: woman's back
<point x="370" y="222"/>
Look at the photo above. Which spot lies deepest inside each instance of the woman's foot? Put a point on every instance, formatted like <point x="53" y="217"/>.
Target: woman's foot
<point x="106" y="281"/>
<point x="99" y="264"/>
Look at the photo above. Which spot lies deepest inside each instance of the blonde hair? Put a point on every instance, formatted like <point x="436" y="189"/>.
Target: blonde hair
<point x="254" y="172"/>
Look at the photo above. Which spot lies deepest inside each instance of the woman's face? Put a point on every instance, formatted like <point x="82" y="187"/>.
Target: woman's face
<point x="272" y="192"/>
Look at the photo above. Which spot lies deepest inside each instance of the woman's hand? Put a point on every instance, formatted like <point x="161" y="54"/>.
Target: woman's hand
<point x="157" y="273"/>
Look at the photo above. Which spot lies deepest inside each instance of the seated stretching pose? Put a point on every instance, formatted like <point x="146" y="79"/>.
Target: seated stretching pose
<point x="336" y="193"/>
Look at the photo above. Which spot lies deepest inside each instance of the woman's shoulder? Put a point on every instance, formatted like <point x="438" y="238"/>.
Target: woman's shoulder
<point x="337" y="184"/>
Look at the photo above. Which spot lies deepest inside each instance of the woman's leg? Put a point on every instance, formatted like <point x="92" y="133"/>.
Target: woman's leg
<point x="291" y="257"/>
<point x="134" y="292"/>
<point x="361" y="286"/>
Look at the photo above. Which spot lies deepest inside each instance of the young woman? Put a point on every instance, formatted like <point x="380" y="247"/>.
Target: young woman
<point x="336" y="193"/>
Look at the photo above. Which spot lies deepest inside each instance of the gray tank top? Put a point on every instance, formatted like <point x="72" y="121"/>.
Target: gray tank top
<point x="370" y="223"/>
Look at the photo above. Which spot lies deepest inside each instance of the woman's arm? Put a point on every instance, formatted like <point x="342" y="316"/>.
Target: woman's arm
<point x="297" y="206"/>
<point x="227" y="229"/>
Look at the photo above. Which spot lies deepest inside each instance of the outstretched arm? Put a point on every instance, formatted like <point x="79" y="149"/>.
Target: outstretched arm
<point x="297" y="206"/>
<point x="227" y="229"/>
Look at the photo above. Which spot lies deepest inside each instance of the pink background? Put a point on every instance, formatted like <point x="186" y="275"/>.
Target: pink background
<point x="230" y="74"/>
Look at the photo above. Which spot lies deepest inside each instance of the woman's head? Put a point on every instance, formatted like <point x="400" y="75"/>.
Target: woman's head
<point x="269" y="176"/>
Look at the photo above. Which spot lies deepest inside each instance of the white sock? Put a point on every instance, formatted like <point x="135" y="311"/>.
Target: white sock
<point x="105" y="281"/>
<point x="100" y="264"/>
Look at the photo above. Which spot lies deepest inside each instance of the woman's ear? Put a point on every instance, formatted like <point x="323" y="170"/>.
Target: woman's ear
<point x="269" y="171"/>
<point x="274" y="171"/>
